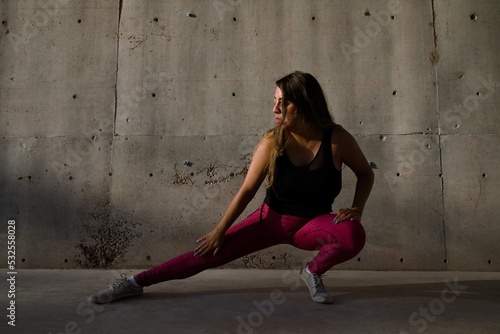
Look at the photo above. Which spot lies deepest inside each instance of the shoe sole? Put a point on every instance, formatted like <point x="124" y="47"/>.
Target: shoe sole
<point x="93" y="298"/>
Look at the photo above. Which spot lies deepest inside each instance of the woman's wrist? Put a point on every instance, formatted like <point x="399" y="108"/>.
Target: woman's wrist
<point x="220" y="229"/>
<point x="357" y="210"/>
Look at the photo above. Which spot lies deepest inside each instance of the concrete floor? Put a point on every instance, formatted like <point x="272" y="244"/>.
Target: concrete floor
<point x="258" y="301"/>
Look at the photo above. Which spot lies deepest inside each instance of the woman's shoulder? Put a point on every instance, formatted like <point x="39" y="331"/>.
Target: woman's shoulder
<point x="267" y="140"/>
<point x="268" y="136"/>
<point x="340" y="135"/>
<point x="338" y="131"/>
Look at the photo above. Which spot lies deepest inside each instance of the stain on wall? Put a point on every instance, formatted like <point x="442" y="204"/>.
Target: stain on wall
<point x="107" y="237"/>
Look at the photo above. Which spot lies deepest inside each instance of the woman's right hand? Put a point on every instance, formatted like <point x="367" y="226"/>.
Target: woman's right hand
<point x="211" y="242"/>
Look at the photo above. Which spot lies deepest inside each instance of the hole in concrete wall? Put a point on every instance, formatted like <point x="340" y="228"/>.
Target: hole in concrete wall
<point x="359" y="259"/>
<point x="234" y="94"/>
<point x="484" y="175"/>
<point x="383" y="138"/>
<point x="473" y="17"/>
<point x="65" y="260"/>
<point x="314" y="18"/>
<point x="445" y="261"/>
<point x="155" y="19"/>
<point x="23" y="260"/>
<point x="153" y="95"/>
<point x="367" y="13"/>
<point x="393" y="17"/>
<point x="74" y="96"/>
<point x="479" y="94"/>
<point x="394" y="92"/>
<point x="461" y="77"/>
<point x="70" y="178"/>
<point x="360" y="122"/>
<point x="79" y="21"/>
<point x="5" y="25"/>
<point x="398" y="174"/>
<point x="150" y="174"/>
<point x="193" y="15"/>
<point x="274" y="257"/>
<point x="401" y="260"/>
<point x="148" y="258"/>
<point x="234" y="18"/>
<point x="490" y="262"/>
<point x="440" y="174"/>
<point x="110" y="174"/>
<point x="457" y="126"/>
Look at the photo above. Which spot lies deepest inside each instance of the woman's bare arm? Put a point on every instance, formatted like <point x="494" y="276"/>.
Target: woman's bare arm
<point x="253" y="180"/>
<point x="346" y="150"/>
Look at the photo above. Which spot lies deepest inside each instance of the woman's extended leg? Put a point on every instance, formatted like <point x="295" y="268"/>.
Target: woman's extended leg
<point x="262" y="229"/>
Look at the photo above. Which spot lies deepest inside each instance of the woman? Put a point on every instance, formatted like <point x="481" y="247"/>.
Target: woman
<point x="300" y="160"/>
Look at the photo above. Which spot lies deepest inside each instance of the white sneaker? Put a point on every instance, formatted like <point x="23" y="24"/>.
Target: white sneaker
<point x="316" y="287"/>
<point x="120" y="289"/>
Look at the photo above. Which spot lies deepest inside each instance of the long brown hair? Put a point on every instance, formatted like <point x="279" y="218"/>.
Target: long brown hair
<point x="304" y="91"/>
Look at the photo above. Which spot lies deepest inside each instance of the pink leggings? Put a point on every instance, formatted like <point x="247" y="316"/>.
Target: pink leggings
<point x="262" y="229"/>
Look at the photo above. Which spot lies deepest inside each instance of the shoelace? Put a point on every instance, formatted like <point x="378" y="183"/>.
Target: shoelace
<point x="120" y="282"/>
<point x="318" y="283"/>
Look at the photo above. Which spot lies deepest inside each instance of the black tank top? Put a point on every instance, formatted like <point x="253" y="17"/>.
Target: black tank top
<point x="305" y="191"/>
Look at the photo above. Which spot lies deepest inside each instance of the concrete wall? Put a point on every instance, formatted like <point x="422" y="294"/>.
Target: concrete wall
<point x="127" y="126"/>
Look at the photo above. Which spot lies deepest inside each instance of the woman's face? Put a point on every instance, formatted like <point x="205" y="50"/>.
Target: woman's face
<point x="278" y="111"/>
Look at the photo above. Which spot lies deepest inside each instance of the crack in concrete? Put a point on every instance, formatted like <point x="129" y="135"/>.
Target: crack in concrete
<point x="434" y="56"/>
<point x="434" y="23"/>
<point x="434" y="60"/>
<point x="115" y="111"/>
<point x="120" y="10"/>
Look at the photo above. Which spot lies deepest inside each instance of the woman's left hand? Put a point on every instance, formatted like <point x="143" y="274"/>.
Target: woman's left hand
<point x="347" y="214"/>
